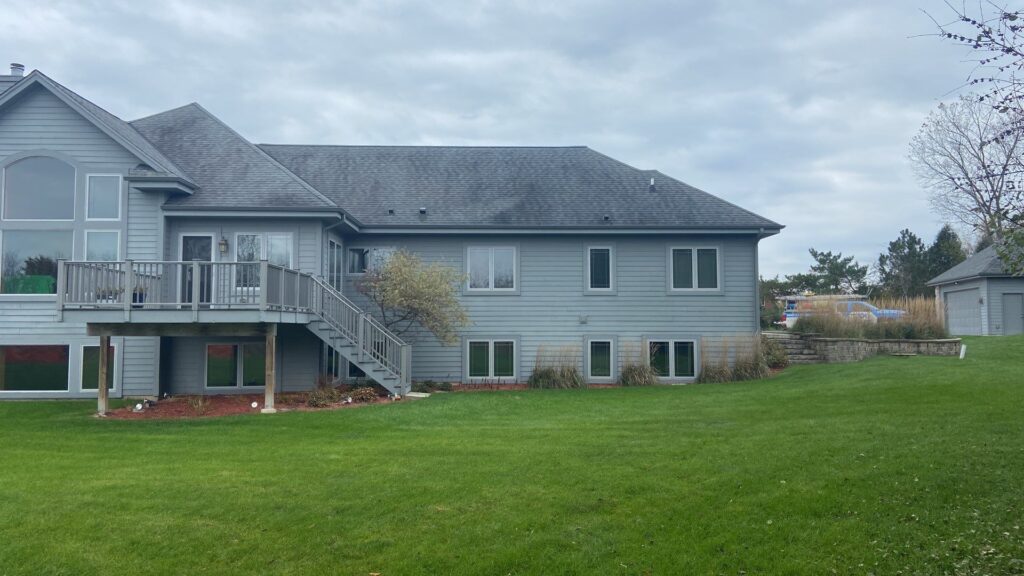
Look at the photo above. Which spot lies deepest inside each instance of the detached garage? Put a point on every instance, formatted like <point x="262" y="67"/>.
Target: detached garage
<point x="980" y="298"/>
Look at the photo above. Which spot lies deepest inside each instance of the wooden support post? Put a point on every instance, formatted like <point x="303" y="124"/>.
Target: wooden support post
<point x="271" y="370"/>
<point x="102" y="403"/>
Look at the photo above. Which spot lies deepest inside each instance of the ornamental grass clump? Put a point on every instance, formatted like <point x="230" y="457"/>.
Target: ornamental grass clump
<point x="557" y="369"/>
<point x="774" y="354"/>
<point x="636" y="372"/>
<point x="920" y="320"/>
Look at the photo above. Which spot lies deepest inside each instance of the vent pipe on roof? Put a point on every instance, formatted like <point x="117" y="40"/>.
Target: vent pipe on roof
<point x="17" y="69"/>
<point x="652" y="188"/>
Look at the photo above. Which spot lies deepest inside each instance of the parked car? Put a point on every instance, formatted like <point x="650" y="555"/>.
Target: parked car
<point x="850" y="306"/>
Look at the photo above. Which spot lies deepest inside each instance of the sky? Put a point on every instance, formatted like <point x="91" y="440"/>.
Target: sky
<point x="801" y="111"/>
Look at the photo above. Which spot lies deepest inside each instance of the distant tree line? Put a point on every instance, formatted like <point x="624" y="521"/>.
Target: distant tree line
<point x="902" y="271"/>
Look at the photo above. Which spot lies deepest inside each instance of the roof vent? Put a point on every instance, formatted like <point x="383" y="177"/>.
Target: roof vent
<point x="607" y="218"/>
<point x="17" y="69"/>
<point x="652" y="187"/>
<point x="423" y="209"/>
<point x="391" y="211"/>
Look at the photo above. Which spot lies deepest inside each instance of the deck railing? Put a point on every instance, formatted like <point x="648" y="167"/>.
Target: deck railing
<point x="199" y="286"/>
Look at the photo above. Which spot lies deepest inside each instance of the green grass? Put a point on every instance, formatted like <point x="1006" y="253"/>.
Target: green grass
<point x="912" y="466"/>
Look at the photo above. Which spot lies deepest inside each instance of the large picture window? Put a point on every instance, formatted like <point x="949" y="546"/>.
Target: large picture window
<point x="672" y="358"/>
<point x="694" y="268"/>
<point x="29" y="264"/>
<point x="491" y="268"/>
<point x="39" y="188"/>
<point x="34" y="368"/>
<point x="103" y="197"/>
<point x="234" y="365"/>
<point x="492" y="359"/>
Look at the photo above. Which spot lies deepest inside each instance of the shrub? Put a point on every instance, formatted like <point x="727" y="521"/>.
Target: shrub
<point x="323" y="396"/>
<point x="750" y="363"/>
<point x="198" y="405"/>
<point x="637" y="374"/>
<point x="774" y="354"/>
<point x="364" y="394"/>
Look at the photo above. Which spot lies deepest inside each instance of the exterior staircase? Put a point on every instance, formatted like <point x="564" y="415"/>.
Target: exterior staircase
<point x="361" y="339"/>
<point x="798" y="349"/>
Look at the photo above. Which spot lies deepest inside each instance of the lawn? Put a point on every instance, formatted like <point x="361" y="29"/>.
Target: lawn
<point x="911" y="466"/>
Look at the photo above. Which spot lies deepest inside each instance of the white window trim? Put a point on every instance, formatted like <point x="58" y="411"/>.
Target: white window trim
<point x="3" y="192"/>
<point x="695" y="247"/>
<point x="672" y="358"/>
<point x="590" y="364"/>
<point x="490" y="360"/>
<point x="339" y="274"/>
<point x="369" y="254"/>
<point x="85" y="251"/>
<point x="239" y="368"/>
<point x="53" y="297"/>
<point x="116" y="368"/>
<point x="291" y="246"/>
<point x="611" y="270"/>
<point x="120" y="200"/>
<point x="490" y="274"/>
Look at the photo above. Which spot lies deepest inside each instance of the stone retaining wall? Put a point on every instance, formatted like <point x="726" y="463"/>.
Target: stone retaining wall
<point x="832" y="350"/>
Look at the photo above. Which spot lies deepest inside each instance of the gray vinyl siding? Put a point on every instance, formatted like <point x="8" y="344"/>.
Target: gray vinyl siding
<point x="37" y="121"/>
<point x="298" y="361"/>
<point x="551" y="312"/>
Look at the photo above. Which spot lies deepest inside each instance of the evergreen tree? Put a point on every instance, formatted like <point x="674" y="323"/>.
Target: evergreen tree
<point x="903" y="270"/>
<point x="945" y="252"/>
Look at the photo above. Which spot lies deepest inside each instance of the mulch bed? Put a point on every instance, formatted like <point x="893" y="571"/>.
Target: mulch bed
<point x="178" y="407"/>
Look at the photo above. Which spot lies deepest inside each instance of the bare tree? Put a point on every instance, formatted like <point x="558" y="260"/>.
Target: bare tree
<point x="972" y="174"/>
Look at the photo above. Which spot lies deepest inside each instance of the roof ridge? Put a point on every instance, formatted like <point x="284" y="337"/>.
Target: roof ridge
<point x="263" y="153"/>
<point x="155" y="114"/>
<point x="421" y="146"/>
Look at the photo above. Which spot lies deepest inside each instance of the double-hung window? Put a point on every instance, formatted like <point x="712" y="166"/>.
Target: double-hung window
<point x="694" y="268"/>
<point x="491" y="359"/>
<point x="492" y="269"/>
<point x="600" y="269"/>
<point x="673" y="358"/>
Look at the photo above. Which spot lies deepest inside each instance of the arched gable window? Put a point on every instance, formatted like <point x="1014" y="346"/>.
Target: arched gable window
<point x="39" y="188"/>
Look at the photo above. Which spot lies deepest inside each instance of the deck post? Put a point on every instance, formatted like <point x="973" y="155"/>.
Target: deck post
<point x="102" y="403"/>
<point x="62" y="280"/>
<point x="264" y="284"/>
<point x="271" y="370"/>
<point x="196" y="288"/>
<point x="128" y="292"/>
<point x="406" y="377"/>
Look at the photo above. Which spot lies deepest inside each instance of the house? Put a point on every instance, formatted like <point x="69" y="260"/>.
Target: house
<point x="171" y="255"/>
<point x="980" y="298"/>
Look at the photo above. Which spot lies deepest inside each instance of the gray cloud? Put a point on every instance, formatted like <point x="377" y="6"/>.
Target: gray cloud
<point x="798" y="110"/>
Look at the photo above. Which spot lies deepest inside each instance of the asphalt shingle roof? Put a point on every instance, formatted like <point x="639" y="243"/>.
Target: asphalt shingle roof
<point x="231" y="172"/>
<point x="8" y="81"/>
<point x="984" y="263"/>
<point x="556" y="187"/>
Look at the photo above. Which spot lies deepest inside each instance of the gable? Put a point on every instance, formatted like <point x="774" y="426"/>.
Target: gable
<point x="37" y="119"/>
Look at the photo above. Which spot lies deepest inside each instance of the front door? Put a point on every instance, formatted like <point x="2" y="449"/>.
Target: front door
<point x="1013" y="314"/>
<point x="197" y="247"/>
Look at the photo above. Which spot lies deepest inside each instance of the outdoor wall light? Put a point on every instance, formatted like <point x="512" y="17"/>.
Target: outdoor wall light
<point x="223" y="245"/>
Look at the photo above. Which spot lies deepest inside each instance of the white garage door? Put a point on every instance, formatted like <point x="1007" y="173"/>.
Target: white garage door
<point x="963" y="312"/>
